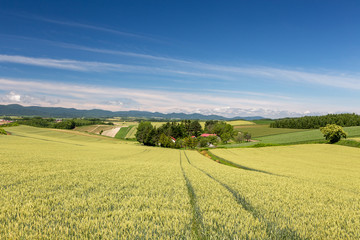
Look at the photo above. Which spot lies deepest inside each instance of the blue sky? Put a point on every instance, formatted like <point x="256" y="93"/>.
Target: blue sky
<point x="233" y="58"/>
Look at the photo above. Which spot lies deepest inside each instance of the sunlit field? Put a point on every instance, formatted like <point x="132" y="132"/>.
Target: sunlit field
<point x="304" y="136"/>
<point x="240" y="123"/>
<point x="261" y="130"/>
<point x="63" y="184"/>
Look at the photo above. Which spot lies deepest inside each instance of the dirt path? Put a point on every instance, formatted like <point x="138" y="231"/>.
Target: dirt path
<point x="111" y="132"/>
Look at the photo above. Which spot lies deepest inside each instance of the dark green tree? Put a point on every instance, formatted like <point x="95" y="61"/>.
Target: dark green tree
<point x="195" y="128"/>
<point x="225" y="131"/>
<point x="210" y="125"/>
<point x="143" y="132"/>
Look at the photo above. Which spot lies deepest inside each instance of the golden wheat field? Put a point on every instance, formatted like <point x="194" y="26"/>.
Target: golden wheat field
<point x="58" y="184"/>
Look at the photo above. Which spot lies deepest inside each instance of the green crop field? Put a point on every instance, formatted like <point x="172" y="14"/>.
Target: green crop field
<point x="121" y="134"/>
<point x="303" y="136"/>
<point x="131" y="133"/>
<point x="66" y="184"/>
<point x="264" y="130"/>
<point x="126" y="132"/>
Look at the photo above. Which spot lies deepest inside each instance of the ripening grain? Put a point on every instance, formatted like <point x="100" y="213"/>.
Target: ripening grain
<point x="59" y="185"/>
<point x="312" y="189"/>
<point x="62" y="184"/>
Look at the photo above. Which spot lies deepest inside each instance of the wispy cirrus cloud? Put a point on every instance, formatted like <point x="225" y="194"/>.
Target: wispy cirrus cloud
<point x="327" y="78"/>
<point x="121" y="53"/>
<point x="196" y="69"/>
<point x="88" y="26"/>
<point x="182" y="67"/>
<point x="86" y="66"/>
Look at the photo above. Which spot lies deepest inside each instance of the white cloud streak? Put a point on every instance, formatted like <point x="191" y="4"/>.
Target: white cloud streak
<point x="195" y="69"/>
<point x="122" y="53"/>
<point x="86" y="66"/>
<point x="83" y="97"/>
<point x="338" y="80"/>
<point x="87" y="26"/>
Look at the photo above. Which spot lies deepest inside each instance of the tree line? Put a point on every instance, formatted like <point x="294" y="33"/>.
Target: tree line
<point x="63" y="124"/>
<point x="186" y="133"/>
<point x="315" y="122"/>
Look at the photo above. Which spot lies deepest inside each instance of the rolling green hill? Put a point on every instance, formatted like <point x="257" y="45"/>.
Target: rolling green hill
<point x="304" y="136"/>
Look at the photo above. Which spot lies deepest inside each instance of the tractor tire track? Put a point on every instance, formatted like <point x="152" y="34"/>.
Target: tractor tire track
<point x="273" y="231"/>
<point x="197" y="221"/>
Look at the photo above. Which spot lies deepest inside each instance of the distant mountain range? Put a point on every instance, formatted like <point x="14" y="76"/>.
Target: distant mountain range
<point x="58" y="112"/>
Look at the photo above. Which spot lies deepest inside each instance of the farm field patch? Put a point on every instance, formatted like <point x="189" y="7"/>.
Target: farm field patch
<point x="111" y="132"/>
<point x="96" y="129"/>
<point x="303" y="136"/>
<point x="123" y="132"/>
<point x="263" y="121"/>
<point x="131" y="133"/>
<point x="264" y="130"/>
<point x="125" y="124"/>
<point x="240" y="123"/>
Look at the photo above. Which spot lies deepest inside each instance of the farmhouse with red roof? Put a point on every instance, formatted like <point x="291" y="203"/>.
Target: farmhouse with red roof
<point x="207" y="134"/>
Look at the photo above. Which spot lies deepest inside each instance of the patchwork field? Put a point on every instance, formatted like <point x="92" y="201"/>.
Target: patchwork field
<point x="60" y="184"/>
<point x="131" y="133"/>
<point x="303" y="136"/>
<point x="96" y="129"/>
<point x="123" y="133"/>
<point x="111" y="132"/>
<point x="264" y="130"/>
<point x="240" y="123"/>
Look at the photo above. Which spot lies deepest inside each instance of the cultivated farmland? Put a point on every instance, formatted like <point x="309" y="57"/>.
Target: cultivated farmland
<point x="60" y="184"/>
<point x="261" y="130"/>
<point x="96" y="129"/>
<point x="240" y="123"/>
<point x="303" y="136"/>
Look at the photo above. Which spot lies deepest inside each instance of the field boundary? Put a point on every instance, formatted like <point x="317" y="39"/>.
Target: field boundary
<point x="220" y="160"/>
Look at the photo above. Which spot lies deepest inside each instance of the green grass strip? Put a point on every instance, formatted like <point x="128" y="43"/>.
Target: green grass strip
<point x="349" y="143"/>
<point x="218" y="159"/>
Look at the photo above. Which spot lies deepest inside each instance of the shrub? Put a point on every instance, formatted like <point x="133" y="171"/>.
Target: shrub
<point x="239" y="138"/>
<point x="2" y="132"/>
<point x="333" y="133"/>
